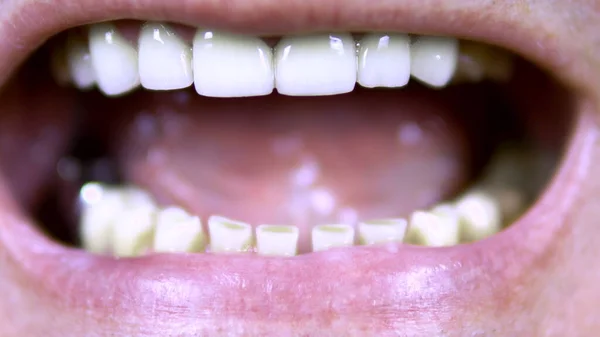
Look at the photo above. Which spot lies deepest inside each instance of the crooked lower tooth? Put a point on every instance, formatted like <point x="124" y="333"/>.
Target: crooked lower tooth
<point x="178" y="231"/>
<point x="314" y="65"/>
<point x="325" y="237"/>
<point x="434" y="59"/>
<point x="436" y="228"/>
<point x="165" y="61"/>
<point x="133" y="231"/>
<point x="384" y="60"/>
<point x="79" y="62"/>
<point x="274" y="240"/>
<point x="114" y="60"/>
<point x="479" y="216"/>
<point x="229" y="65"/>
<point x="229" y="236"/>
<point x="382" y="231"/>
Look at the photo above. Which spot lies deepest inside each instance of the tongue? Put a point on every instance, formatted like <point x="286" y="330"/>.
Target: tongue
<point x="301" y="161"/>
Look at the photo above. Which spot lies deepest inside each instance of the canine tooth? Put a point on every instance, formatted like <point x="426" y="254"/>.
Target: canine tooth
<point x="382" y="231"/>
<point x="479" y="216"/>
<point x="436" y="228"/>
<point x="315" y="65"/>
<point x="433" y="59"/>
<point x="133" y="231"/>
<point x="165" y="61"/>
<point x="384" y="60"/>
<point x="331" y="236"/>
<point x="178" y="231"/>
<point x="79" y="62"/>
<point x="114" y="60"/>
<point x="227" y="236"/>
<point x="277" y="240"/>
<point x="229" y="65"/>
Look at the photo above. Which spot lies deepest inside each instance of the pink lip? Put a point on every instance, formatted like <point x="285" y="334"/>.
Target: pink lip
<point x="358" y="291"/>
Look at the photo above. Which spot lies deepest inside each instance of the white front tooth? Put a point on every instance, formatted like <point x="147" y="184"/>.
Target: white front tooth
<point x="229" y="65"/>
<point x="382" y="231"/>
<point x="178" y="231"/>
<point x="277" y="240"/>
<point x="114" y="59"/>
<point x="434" y="59"/>
<point x="79" y="61"/>
<point x="165" y="61"/>
<point x="479" y="216"/>
<point x="100" y="208"/>
<point x="436" y="228"/>
<point x="133" y="230"/>
<point x="331" y="236"/>
<point x="229" y="236"/>
<point x="384" y="60"/>
<point x="315" y="65"/>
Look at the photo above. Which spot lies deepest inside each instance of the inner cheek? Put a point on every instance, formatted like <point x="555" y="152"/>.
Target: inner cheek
<point x="288" y="160"/>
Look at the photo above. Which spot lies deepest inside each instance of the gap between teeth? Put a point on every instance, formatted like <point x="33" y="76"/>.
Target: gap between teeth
<point x="126" y="221"/>
<point x="222" y="64"/>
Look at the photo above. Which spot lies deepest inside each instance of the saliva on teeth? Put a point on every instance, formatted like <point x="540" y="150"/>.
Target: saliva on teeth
<point x="221" y="64"/>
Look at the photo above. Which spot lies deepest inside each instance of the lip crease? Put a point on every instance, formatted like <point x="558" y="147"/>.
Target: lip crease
<point x="344" y="292"/>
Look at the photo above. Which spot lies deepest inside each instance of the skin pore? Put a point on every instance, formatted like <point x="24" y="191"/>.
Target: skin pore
<point x="539" y="278"/>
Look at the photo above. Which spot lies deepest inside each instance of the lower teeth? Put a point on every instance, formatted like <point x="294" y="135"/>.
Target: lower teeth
<point x="125" y="221"/>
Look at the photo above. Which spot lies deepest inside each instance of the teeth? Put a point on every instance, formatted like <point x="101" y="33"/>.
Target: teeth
<point x="79" y="62"/>
<point x="315" y="65"/>
<point x="228" y="65"/>
<point x="434" y="59"/>
<point x="325" y="237"/>
<point x="227" y="236"/>
<point x="384" y="60"/>
<point x="382" y="231"/>
<point x="178" y="231"/>
<point x="133" y="231"/>
<point x="100" y="208"/>
<point x="114" y="59"/>
<point x="436" y="228"/>
<point x="165" y="61"/>
<point x="479" y="216"/>
<point x="277" y="240"/>
<point x="478" y="62"/>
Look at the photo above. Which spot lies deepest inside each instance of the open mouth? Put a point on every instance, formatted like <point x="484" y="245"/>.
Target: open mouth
<point x="279" y="174"/>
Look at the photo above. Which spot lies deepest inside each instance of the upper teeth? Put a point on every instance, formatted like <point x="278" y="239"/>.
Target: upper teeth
<point x="114" y="59"/>
<point x="228" y="65"/>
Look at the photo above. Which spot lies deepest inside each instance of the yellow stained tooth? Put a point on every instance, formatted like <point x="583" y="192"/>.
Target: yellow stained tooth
<point x="331" y="236"/>
<point x="100" y="208"/>
<point x="133" y="231"/>
<point x="229" y="236"/>
<point x="382" y="231"/>
<point x="178" y="232"/>
<point x="436" y="228"/>
<point x="277" y="240"/>
<point x="479" y="216"/>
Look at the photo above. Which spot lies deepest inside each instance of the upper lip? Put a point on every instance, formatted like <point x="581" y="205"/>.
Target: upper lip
<point x="27" y="24"/>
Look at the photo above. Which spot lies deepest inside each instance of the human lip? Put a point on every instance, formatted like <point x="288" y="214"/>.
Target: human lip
<point x="424" y="286"/>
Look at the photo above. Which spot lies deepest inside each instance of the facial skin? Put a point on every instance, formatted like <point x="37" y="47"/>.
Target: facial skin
<point x="539" y="278"/>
